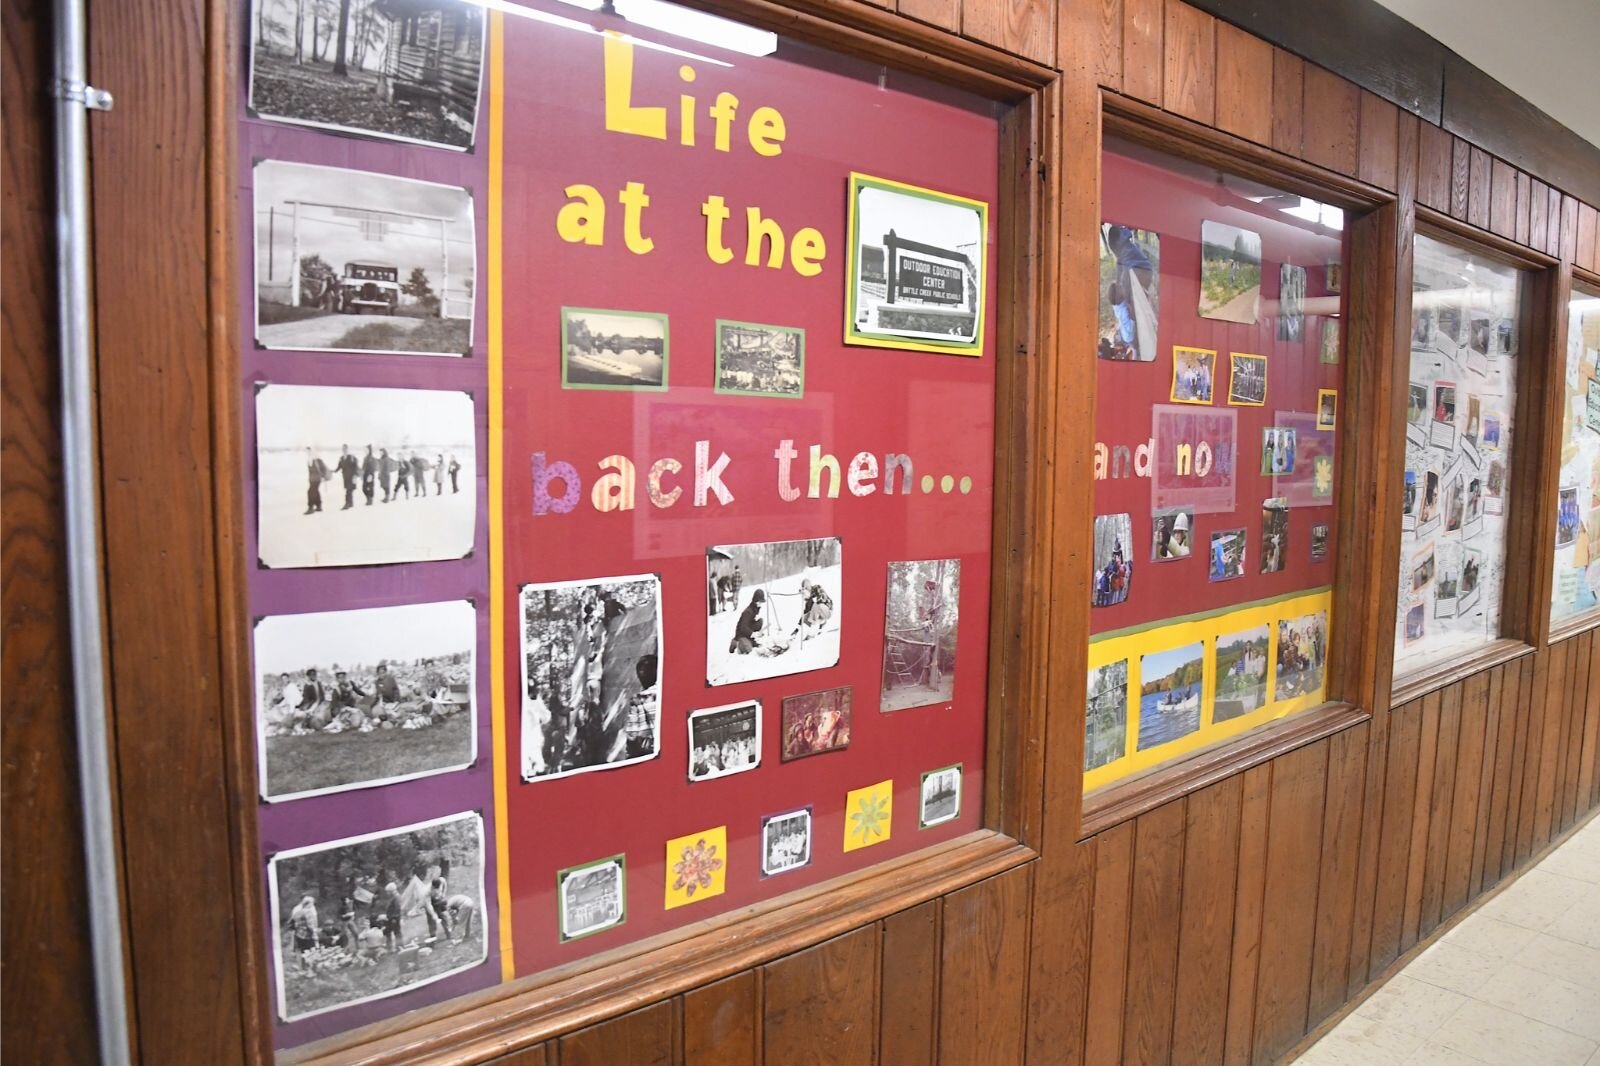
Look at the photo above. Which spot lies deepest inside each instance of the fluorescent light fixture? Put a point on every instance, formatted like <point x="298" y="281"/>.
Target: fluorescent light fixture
<point x="685" y="22"/>
<point x="510" y="7"/>
<point x="1321" y="214"/>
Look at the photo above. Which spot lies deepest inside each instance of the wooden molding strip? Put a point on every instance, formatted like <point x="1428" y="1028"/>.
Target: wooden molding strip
<point x="1414" y="686"/>
<point x="1496" y="246"/>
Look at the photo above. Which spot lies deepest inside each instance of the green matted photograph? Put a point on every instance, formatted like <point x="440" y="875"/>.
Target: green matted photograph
<point x="918" y="268"/>
<point x="592" y="897"/>
<point x="603" y="349"/>
<point x="760" y="360"/>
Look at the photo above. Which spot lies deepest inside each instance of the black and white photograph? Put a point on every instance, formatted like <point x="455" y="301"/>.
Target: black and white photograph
<point x="756" y="360"/>
<point x="1173" y="534"/>
<point x="591" y="674"/>
<point x="785" y="842"/>
<point x="405" y="70"/>
<point x="358" y="476"/>
<point x="1416" y="404"/>
<point x="773" y="609"/>
<point x="353" y="699"/>
<point x="1247" y="380"/>
<point x="1130" y="298"/>
<point x="1106" y="728"/>
<point x="625" y="350"/>
<point x="353" y="261"/>
<point x="592" y="897"/>
<point x="1291" y="302"/>
<point x="919" y="633"/>
<point x="1319" y="542"/>
<point x="918" y="268"/>
<point x="724" y="740"/>
<point x="1302" y="652"/>
<point x="1113" y="570"/>
<point x="1230" y="273"/>
<point x="941" y="797"/>
<point x="371" y="916"/>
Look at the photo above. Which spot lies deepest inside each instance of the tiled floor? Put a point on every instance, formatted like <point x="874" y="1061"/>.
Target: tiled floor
<point x="1515" y="984"/>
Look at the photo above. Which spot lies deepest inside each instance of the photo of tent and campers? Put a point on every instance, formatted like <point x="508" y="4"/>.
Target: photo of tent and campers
<point x="755" y="360"/>
<point x="773" y="609"/>
<point x="1113" y="571"/>
<point x="785" y="842"/>
<point x="591" y="682"/>
<point x="816" y="722"/>
<point x="356" y="476"/>
<point x="365" y="697"/>
<point x="1302" y="651"/>
<point x="1172" y="685"/>
<point x="352" y="261"/>
<point x="625" y="350"/>
<point x="1230" y="273"/>
<point x="919" y="265"/>
<point x="371" y="916"/>
<point x="919" y="634"/>
<point x="724" y="740"/>
<point x="1106" y="731"/>
<point x="941" y="797"/>
<point x="409" y="70"/>
<point x="1130" y="293"/>
<point x="1291" y="302"/>
<point x="592" y="897"/>
<point x="1241" y="674"/>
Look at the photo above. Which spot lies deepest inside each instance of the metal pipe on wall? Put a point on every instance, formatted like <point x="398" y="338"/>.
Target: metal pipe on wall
<point x="74" y="97"/>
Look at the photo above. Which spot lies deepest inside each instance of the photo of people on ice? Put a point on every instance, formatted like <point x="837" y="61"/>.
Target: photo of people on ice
<point x="772" y="609"/>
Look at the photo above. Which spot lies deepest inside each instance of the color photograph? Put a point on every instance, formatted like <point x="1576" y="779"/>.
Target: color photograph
<point x="1230" y="273"/>
<point x="1274" y="534"/>
<point x="1173" y="534"/>
<point x="625" y="350"/>
<point x="1227" y="555"/>
<point x="1169" y="699"/>
<point x="353" y="699"/>
<point x="1193" y="373"/>
<point x="778" y="613"/>
<point x="816" y="722"/>
<point x="754" y="360"/>
<point x="1277" y="450"/>
<point x="941" y="797"/>
<point x="1130" y="298"/>
<point x="1106" y="736"/>
<point x="353" y="261"/>
<point x="1247" y="380"/>
<point x="918" y="268"/>
<point x="1302" y="650"/>
<point x="591" y="681"/>
<point x="919" y="634"/>
<point x="785" y="842"/>
<point x="1328" y="352"/>
<point x="1327" y="409"/>
<point x="380" y="68"/>
<point x="1241" y="673"/>
<point x="357" y="476"/>
<point x="724" y="740"/>
<point x="1113" y="571"/>
<point x="371" y="916"/>
<point x="1291" y="302"/>
<point x="592" y="897"/>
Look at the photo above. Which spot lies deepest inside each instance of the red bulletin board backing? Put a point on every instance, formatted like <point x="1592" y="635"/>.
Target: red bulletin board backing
<point x="1149" y="191"/>
<point x="548" y="132"/>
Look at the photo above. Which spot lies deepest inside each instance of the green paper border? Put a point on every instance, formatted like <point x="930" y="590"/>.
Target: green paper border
<point x="716" y="380"/>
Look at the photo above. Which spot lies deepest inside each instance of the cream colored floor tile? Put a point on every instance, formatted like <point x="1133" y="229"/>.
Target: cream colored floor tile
<point x="1575" y="963"/>
<point x="1354" y="1048"/>
<point x="1578" y="858"/>
<point x="1546" y="999"/>
<point x="1581" y="923"/>
<point x="1495" y="1035"/>
<point x="1456" y="968"/>
<point x="1489" y="937"/>
<point x="1415" y="1005"/>
<point x="1536" y="899"/>
<point x="1431" y="1054"/>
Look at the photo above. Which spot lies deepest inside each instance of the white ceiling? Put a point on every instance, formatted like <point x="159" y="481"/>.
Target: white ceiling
<point x="1543" y="50"/>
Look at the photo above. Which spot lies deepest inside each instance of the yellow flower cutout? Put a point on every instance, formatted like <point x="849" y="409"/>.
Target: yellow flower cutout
<point x="869" y="815"/>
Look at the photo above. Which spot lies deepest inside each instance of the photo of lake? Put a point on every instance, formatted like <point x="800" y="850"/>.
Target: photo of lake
<point x="1171" y="687"/>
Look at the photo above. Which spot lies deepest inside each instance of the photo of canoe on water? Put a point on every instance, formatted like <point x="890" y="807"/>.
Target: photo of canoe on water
<point x="1169" y="695"/>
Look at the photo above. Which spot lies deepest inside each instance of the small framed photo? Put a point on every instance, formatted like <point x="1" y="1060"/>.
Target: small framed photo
<point x="592" y="897"/>
<point x="1333" y="277"/>
<point x="1328" y="351"/>
<point x="756" y="360"/>
<point x="620" y="350"/>
<point x="724" y="740"/>
<point x="1416" y="623"/>
<point x="1319" y="542"/>
<point x="1113" y="568"/>
<point x="1291" y="302"/>
<point x="941" y="797"/>
<point x="1173" y="534"/>
<point x="816" y="722"/>
<point x="1193" y="371"/>
<point x="1277" y="450"/>
<point x="1327" y="408"/>
<point x="773" y="609"/>
<point x="1227" y="555"/>
<point x="785" y="842"/>
<point x="1247" y="380"/>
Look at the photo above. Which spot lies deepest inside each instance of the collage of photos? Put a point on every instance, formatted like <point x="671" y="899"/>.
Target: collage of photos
<point x="1575" y="592"/>
<point x="1462" y="394"/>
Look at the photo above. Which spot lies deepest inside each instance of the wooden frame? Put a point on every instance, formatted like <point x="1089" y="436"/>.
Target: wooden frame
<point x="1573" y="276"/>
<point x="529" y="1010"/>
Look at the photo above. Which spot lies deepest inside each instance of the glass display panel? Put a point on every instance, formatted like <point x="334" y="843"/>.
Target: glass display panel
<point x="1575" y="590"/>
<point x="1218" y="377"/>
<point x="619" y="402"/>
<point x="1466" y="326"/>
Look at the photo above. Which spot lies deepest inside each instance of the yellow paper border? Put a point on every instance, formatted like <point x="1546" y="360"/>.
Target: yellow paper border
<point x="851" y="336"/>
<point x="1335" y="423"/>
<point x="1165" y="637"/>
<point x="1173" y="393"/>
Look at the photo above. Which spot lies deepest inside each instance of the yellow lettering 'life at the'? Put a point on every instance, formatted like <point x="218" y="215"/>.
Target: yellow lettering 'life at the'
<point x="765" y="129"/>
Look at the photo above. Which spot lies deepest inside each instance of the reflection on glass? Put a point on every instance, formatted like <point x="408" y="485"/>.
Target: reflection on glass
<point x="1575" y="589"/>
